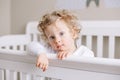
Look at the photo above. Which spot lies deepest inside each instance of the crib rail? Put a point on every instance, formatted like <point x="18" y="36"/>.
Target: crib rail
<point x="100" y="36"/>
<point x="84" y="68"/>
<point x="102" y="29"/>
<point x="14" y="43"/>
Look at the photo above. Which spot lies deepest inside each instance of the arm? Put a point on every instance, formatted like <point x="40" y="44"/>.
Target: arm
<point x="35" y="48"/>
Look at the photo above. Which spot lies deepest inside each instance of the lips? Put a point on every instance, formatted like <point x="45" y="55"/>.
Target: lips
<point x="59" y="46"/>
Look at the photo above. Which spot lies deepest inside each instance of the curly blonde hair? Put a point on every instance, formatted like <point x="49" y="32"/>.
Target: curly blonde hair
<point x="51" y="18"/>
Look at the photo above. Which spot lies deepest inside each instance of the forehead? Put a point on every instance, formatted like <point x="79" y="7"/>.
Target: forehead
<point x="57" y="26"/>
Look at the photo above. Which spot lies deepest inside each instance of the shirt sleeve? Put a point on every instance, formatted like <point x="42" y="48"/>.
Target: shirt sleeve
<point x="84" y="52"/>
<point x="88" y="53"/>
<point x="35" y="48"/>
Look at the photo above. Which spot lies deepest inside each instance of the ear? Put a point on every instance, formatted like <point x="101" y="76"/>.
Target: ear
<point x="74" y="35"/>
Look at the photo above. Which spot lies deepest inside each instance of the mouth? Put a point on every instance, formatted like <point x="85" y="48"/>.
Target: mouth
<point x="59" y="46"/>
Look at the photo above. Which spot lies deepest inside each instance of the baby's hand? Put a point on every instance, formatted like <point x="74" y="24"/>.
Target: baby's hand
<point x="42" y="62"/>
<point x="63" y="54"/>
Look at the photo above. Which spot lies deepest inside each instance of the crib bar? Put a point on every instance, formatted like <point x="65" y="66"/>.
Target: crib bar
<point x="2" y="74"/>
<point x="14" y="47"/>
<point x="15" y="75"/>
<point x="89" y="42"/>
<point x="7" y="47"/>
<point x="21" y="76"/>
<point x="99" y="46"/>
<point x="35" y="37"/>
<point x="7" y="74"/>
<point x="111" y="49"/>
<point x="79" y="41"/>
<point x="34" y="77"/>
<point x="28" y="77"/>
<point x="41" y="78"/>
<point x="21" y="47"/>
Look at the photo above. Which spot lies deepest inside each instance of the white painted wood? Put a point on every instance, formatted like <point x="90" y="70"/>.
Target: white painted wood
<point x="28" y="77"/>
<point x="14" y="40"/>
<point x="15" y="75"/>
<point x="7" y="74"/>
<point x="32" y="27"/>
<point x="22" y="76"/>
<point x="38" y="77"/>
<point x="111" y="47"/>
<point x="84" y="68"/>
<point x="22" y="47"/>
<point x="34" y="77"/>
<point x="101" y="28"/>
<point x="2" y="74"/>
<point x="14" y="47"/>
<point x="89" y="41"/>
<point x="7" y="47"/>
<point x="35" y="38"/>
<point x="100" y="46"/>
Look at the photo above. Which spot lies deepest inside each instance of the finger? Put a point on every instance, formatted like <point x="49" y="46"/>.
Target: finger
<point x="38" y="64"/>
<point x="66" y="55"/>
<point x="41" y="66"/>
<point x="60" y="55"/>
<point x="45" y="68"/>
<point x="63" y="56"/>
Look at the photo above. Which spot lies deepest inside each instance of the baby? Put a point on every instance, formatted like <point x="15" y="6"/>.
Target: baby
<point x="60" y="31"/>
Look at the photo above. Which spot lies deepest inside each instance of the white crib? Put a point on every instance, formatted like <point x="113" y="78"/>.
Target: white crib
<point x="103" y="37"/>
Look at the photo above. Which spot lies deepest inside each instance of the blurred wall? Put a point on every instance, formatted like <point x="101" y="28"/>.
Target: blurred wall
<point x="14" y="14"/>
<point x="5" y="17"/>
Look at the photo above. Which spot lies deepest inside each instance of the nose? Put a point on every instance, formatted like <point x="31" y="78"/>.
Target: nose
<point x="58" y="40"/>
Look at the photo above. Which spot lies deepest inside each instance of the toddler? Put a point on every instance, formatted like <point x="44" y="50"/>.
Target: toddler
<point x="60" y="31"/>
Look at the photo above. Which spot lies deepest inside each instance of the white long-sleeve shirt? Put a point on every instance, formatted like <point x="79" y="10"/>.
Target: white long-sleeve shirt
<point x="35" y="48"/>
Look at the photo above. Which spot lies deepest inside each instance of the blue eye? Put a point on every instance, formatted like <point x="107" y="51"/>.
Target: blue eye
<point x="52" y="37"/>
<point x="61" y="33"/>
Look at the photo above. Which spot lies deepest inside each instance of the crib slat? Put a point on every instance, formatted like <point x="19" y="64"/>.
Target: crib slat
<point x="14" y="47"/>
<point x="79" y="41"/>
<point x="54" y="79"/>
<point x="21" y="47"/>
<point x="34" y="37"/>
<point x="15" y="75"/>
<point x="7" y="74"/>
<point x="100" y="46"/>
<point x="89" y="42"/>
<point x="41" y="78"/>
<point x="2" y="74"/>
<point x="28" y="77"/>
<point x="35" y="77"/>
<point x="7" y="47"/>
<point x="111" y="49"/>
<point x="22" y="76"/>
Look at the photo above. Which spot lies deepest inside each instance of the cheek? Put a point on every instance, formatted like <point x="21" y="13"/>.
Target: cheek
<point x="52" y="45"/>
<point x="68" y="40"/>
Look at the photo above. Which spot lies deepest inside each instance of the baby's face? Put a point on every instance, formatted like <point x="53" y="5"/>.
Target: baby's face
<point x="60" y="37"/>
